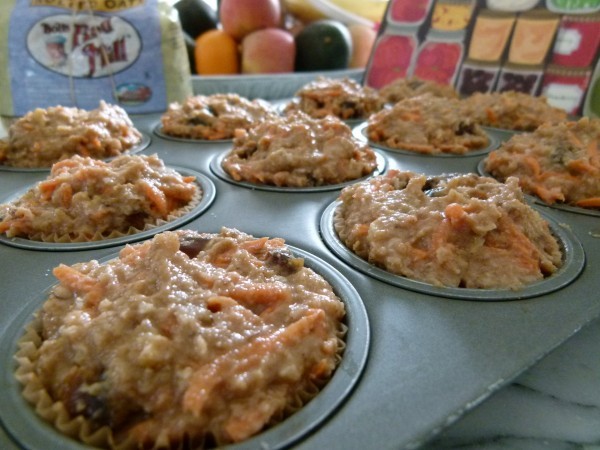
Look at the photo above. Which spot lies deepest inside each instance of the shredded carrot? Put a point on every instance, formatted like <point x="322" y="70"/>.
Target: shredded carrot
<point x="254" y="246"/>
<point x="591" y="202"/>
<point x="533" y="165"/>
<point x="47" y="188"/>
<point x="264" y="293"/>
<point x="361" y="229"/>
<point x="66" y="195"/>
<point x="156" y="197"/>
<point x="209" y="377"/>
<point x="79" y="283"/>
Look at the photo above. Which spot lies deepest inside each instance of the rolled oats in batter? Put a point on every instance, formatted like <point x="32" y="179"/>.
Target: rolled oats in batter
<point x="45" y="136"/>
<point x="402" y="88"/>
<point x="188" y="340"/>
<point x="428" y="125"/>
<point x="299" y="151"/>
<point x="85" y="199"/>
<point x="344" y="98"/>
<point x="455" y="230"/>
<point x="214" y="117"/>
<point x="511" y="110"/>
<point x="559" y="163"/>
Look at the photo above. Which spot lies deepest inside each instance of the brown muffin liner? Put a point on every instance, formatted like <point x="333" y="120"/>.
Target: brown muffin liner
<point x="66" y="239"/>
<point x="83" y="430"/>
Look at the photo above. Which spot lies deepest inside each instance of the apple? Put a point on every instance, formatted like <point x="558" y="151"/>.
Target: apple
<point x="270" y="50"/>
<point x="241" y="17"/>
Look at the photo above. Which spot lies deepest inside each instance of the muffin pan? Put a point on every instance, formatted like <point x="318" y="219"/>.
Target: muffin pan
<point x="360" y="131"/>
<point x="145" y="142"/>
<point x="427" y="358"/>
<point x="208" y="195"/>
<point x="32" y="432"/>
<point x="217" y="169"/>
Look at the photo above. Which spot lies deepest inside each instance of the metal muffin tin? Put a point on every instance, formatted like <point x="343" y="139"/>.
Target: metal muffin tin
<point x="360" y="132"/>
<point x="208" y="195"/>
<point x="430" y="358"/>
<point x="145" y="142"/>
<point x="217" y="169"/>
<point x="30" y="431"/>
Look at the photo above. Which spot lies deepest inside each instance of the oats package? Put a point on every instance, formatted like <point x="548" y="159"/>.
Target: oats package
<point x="76" y="52"/>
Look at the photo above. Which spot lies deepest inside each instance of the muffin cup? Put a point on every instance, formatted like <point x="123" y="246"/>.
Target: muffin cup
<point x="140" y="146"/>
<point x="34" y="420"/>
<point x="217" y="169"/>
<point x="572" y="264"/>
<point x="360" y="132"/>
<point x="205" y="195"/>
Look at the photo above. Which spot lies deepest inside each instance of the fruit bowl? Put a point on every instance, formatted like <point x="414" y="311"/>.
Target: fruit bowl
<point x="267" y="86"/>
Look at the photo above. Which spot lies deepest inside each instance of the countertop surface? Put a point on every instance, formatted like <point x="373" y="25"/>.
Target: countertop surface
<point x="555" y="405"/>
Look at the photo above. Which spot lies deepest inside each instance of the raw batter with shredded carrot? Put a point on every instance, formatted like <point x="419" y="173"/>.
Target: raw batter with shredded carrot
<point x="557" y="163"/>
<point x="450" y="230"/>
<point x="45" y="136"/>
<point x="85" y="199"/>
<point x="511" y="110"/>
<point x="428" y="125"/>
<point x="343" y="98"/>
<point x="214" y="117"/>
<point x="188" y="340"/>
<point x="299" y="151"/>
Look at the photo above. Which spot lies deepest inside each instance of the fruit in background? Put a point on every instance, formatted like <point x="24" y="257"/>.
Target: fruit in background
<point x="196" y="17"/>
<point x="270" y="50"/>
<point x="242" y="17"/>
<point x="303" y="10"/>
<point x="323" y="45"/>
<point x="363" y="38"/>
<point x="216" y="54"/>
<point x="190" y="46"/>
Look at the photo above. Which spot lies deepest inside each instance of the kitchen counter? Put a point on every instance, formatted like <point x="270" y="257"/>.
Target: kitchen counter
<point x="555" y="405"/>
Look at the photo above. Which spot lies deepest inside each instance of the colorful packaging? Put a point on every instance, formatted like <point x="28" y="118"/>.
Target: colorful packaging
<point x="514" y="77"/>
<point x="74" y="53"/>
<point x="573" y="6"/>
<point x="566" y="87"/>
<point x="532" y="37"/>
<point x="451" y="15"/>
<point x="439" y="60"/>
<point x="391" y="58"/>
<point x="413" y="12"/>
<point x="577" y="41"/>
<point x="477" y="76"/>
<point x="490" y="36"/>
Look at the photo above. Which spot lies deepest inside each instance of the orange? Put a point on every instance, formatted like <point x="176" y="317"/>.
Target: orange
<point x="216" y="54"/>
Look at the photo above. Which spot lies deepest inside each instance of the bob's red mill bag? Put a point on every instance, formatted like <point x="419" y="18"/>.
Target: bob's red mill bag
<point x="76" y="52"/>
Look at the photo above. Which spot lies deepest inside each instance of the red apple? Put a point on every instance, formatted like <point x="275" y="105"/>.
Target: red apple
<point x="241" y="17"/>
<point x="271" y="50"/>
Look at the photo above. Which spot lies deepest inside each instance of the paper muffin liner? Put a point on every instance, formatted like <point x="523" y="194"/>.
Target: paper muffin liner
<point x="83" y="430"/>
<point x="80" y="237"/>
